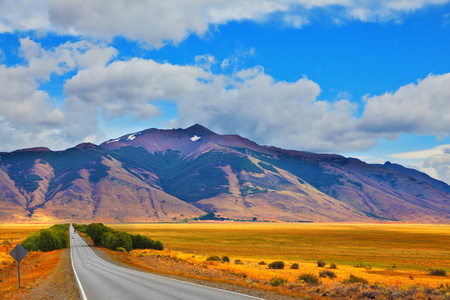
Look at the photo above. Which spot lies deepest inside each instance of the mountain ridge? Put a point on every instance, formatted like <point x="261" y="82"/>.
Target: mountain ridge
<point x="177" y="174"/>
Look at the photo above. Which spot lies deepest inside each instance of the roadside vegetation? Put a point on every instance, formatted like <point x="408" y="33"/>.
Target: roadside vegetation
<point x="115" y="240"/>
<point x="44" y="275"/>
<point x="53" y="238"/>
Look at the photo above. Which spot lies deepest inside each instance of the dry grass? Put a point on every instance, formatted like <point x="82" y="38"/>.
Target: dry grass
<point x="391" y="254"/>
<point x="41" y="273"/>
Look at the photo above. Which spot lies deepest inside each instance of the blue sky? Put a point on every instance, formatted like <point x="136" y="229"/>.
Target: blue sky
<point x="368" y="79"/>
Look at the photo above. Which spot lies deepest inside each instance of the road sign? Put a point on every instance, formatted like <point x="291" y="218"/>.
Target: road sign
<point x="18" y="253"/>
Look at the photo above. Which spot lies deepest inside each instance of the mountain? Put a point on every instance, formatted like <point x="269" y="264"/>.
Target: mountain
<point x="164" y="175"/>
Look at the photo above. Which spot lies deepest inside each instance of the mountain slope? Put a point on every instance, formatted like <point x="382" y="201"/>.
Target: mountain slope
<point x="162" y="175"/>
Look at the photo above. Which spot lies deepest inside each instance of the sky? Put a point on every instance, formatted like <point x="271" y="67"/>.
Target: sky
<point x="365" y="79"/>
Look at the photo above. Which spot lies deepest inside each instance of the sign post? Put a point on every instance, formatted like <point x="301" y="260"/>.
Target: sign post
<point x="18" y="253"/>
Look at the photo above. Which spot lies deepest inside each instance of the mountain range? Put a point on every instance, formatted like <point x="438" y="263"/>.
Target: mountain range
<point x="185" y="174"/>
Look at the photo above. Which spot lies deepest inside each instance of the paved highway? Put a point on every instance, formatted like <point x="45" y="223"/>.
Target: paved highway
<point x="98" y="279"/>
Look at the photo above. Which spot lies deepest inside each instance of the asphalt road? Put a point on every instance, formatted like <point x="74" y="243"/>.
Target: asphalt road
<point x="98" y="279"/>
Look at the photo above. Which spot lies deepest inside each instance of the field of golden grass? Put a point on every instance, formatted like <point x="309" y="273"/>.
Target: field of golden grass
<point x="399" y="254"/>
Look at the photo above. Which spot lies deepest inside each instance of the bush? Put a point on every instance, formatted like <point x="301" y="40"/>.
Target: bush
<point x="49" y="239"/>
<point x="262" y="263"/>
<point x="333" y="266"/>
<point x="294" y="266"/>
<point x="121" y="249"/>
<point x="437" y="272"/>
<point x="277" y="281"/>
<point x="144" y="242"/>
<point x="355" y="279"/>
<point x="225" y="259"/>
<point x="309" y="278"/>
<point x="276" y="265"/>
<point x="327" y="273"/>
<point x="321" y="264"/>
<point x="238" y="262"/>
<point x="213" y="258"/>
<point x="113" y="240"/>
<point x="96" y="231"/>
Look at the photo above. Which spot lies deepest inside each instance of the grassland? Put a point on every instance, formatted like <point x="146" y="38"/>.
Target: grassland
<point x="416" y="247"/>
<point x="398" y="255"/>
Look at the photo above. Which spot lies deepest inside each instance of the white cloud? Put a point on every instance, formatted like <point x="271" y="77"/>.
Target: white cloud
<point x="422" y="154"/>
<point x="414" y="108"/>
<point x="249" y="102"/>
<point x="157" y="23"/>
<point x="24" y="108"/>
<point x="435" y="162"/>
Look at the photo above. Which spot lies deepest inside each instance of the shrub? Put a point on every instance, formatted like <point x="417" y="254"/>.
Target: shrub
<point x="309" y="278"/>
<point x="333" y="266"/>
<point x="121" y="249"/>
<point x="225" y="259"/>
<point x="327" y="273"/>
<point x="113" y="240"/>
<point x="437" y="272"/>
<point x="277" y="281"/>
<point x="276" y="265"/>
<point x="49" y="239"/>
<point x="355" y="279"/>
<point x="144" y="242"/>
<point x="262" y="263"/>
<point x="294" y="266"/>
<point x="321" y="264"/>
<point x="96" y="231"/>
<point x="213" y="258"/>
<point x="238" y="262"/>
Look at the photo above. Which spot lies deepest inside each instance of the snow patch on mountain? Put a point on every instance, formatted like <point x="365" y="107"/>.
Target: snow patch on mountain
<point x="195" y="138"/>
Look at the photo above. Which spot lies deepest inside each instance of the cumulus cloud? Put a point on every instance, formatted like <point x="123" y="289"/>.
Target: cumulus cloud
<point x="157" y="23"/>
<point x="24" y="108"/>
<point x="249" y="102"/>
<point x="414" y="108"/>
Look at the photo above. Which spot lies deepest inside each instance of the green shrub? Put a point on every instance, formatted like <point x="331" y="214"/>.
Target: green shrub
<point x="327" y="273"/>
<point x="355" y="279"/>
<point x="96" y="231"/>
<point x="294" y="266"/>
<point x="277" y="281"/>
<point x="144" y="242"/>
<point x="309" y="278"/>
<point x="113" y="240"/>
<point x="437" y="272"/>
<point x="49" y="239"/>
<point x="276" y="265"/>
<point x="121" y="249"/>
<point x="321" y="264"/>
<point x="213" y="258"/>
<point x="225" y="259"/>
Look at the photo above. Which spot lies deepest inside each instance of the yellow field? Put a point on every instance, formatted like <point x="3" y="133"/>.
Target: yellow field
<point x="397" y="254"/>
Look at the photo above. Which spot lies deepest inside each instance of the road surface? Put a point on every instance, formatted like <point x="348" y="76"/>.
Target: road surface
<point x="98" y="279"/>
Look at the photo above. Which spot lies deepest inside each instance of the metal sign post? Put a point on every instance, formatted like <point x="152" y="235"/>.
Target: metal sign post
<point x="18" y="253"/>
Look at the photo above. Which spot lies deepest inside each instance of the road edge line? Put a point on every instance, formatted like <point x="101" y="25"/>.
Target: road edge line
<point x="80" y="287"/>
